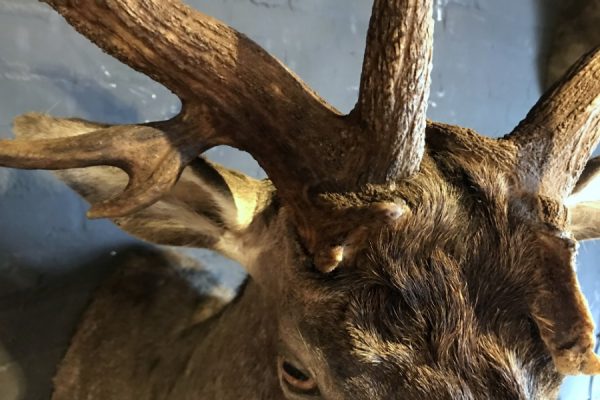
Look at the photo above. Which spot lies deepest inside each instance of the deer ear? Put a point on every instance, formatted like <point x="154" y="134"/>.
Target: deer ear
<point x="210" y="206"/>
<point x="197" y="212"/>
<point x="584" y="203"/>
<point x="560" y="310"/>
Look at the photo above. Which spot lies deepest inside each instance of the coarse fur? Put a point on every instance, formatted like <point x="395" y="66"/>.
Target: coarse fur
<point x="433" y="308"/>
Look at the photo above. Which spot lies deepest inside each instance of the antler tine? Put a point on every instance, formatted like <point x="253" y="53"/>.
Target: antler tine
<point x="234" y="93"/>
<point x="394" y="88"/>
<point x="559" y="134"/>
<point x="153" y="155"/>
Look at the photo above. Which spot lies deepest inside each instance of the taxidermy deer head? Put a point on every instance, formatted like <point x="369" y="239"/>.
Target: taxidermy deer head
<point x="401" y="258"/>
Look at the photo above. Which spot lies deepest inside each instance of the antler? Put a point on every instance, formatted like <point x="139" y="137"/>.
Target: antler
<point x="394" y="87"/>
<point x="153" y="155"/>
<point x="234" y="93"/>
<point x="558" y="136"/>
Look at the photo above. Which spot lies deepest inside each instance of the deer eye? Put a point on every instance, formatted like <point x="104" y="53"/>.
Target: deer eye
<point x="296" y="378"/>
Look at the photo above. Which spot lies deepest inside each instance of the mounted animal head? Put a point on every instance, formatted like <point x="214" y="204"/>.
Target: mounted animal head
<point x="403" y="258"/>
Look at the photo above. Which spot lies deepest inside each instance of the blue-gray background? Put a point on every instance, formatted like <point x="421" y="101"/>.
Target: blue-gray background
<point x="488" y="56"/>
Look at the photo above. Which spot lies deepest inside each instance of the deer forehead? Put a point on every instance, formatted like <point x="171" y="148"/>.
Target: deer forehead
<point x="427" y="298"/>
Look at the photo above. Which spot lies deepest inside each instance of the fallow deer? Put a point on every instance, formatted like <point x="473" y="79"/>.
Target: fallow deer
<point x="389" y="257"/>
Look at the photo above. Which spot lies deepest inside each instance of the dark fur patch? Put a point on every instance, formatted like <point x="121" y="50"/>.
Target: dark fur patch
<point x="437" y="308"/>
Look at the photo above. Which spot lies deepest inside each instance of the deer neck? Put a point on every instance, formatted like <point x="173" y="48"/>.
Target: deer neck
<point x="233" y="351"/>
<point x="149" y="334"/>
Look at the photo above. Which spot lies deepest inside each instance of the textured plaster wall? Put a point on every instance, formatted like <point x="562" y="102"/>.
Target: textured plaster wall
<point x="485" y="76"/>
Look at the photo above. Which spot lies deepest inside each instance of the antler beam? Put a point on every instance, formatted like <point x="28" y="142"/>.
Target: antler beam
<point x="234" y="93"/>
<point x="153" y="155"/>
<point x="394" y="89"/>
<point x="559" y="134"/>
<point x="273" y="115"/>
<point x="194" y="55"/>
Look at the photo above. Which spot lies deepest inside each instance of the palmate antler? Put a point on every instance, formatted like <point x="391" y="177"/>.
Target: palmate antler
<point x="234" y="93"/>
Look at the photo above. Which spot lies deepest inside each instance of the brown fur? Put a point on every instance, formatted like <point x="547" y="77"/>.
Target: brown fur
<point x="435" y="308"/>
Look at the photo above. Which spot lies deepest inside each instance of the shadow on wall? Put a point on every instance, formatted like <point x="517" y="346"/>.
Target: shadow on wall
<point x="51" y="257"/>
<point x="36" y="325"/>
<point x="95" y="99"/>
<point x="575" y="31"/>
<point x="548" y="16"/>
<point x="142" y="294"/>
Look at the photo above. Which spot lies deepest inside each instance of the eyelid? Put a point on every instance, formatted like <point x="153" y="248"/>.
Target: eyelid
<point x="283" y="350"/>
<point x="297" y="386"/>
<point x="300" y="383"/>
<point x="294" y="362"/>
